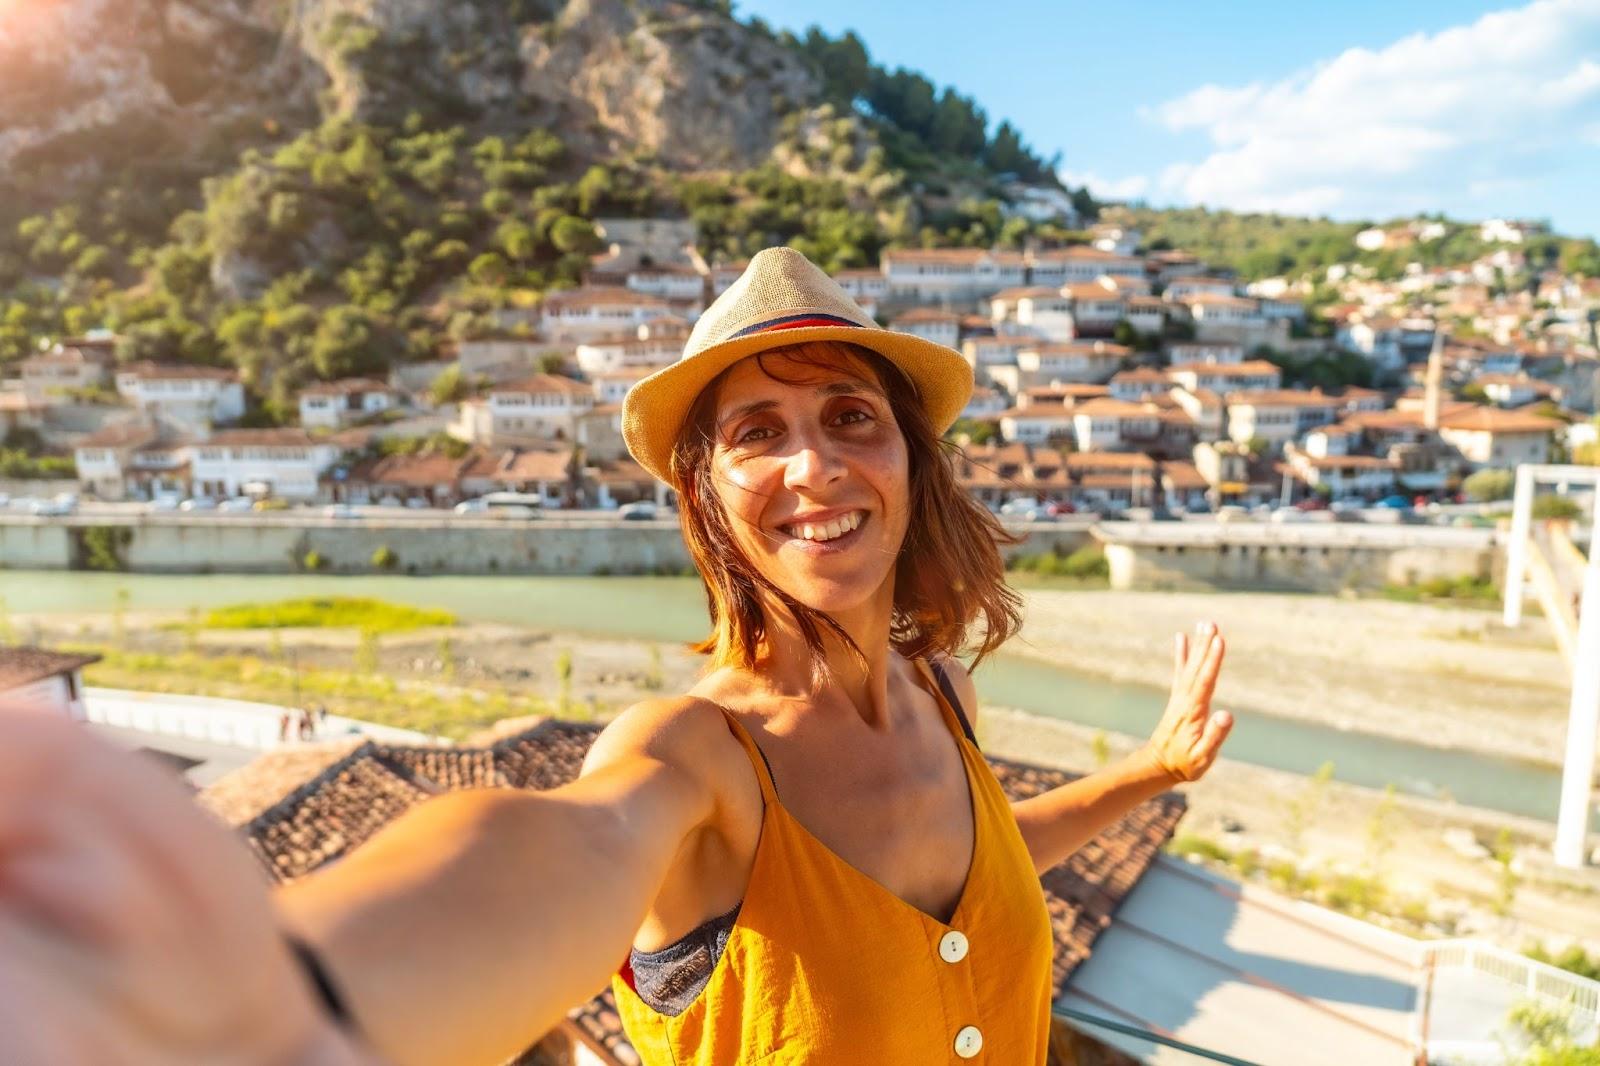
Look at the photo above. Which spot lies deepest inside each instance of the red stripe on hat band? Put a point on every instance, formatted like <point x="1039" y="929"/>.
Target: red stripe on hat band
<point x="805" y="322"/>
<point x="796" y="322"/>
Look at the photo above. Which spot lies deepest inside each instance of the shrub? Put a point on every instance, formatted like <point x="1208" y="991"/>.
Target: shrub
<point x="313" y="560"/>
<point x="384" y="558"/>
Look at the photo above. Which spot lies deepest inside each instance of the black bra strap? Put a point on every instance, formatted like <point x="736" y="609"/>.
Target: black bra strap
<point x="954" y="700"/>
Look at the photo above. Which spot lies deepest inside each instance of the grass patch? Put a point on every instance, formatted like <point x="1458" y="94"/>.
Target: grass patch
<point x="1469" y="590"/>
<point x="356" y="612"/>
<point x="429" y="707"/>
<point x="1086" y="565"/>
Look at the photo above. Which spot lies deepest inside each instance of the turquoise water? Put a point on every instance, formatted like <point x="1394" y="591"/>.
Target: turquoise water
<point x="666" y="608"/>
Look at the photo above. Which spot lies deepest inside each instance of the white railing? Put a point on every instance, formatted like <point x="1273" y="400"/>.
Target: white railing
<point x="234" y="723"/>
<point x="1550" y="985"/>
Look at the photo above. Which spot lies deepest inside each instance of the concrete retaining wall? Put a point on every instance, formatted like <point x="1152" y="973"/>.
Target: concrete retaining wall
<point x="279" y="544"/>
<point x="1310" y="559"/>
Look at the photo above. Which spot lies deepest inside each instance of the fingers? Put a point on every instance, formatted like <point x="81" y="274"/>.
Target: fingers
<point x="1180" y="657"/>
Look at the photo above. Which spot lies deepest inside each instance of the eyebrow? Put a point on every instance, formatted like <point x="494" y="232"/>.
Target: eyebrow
<point x="833" y="388"/>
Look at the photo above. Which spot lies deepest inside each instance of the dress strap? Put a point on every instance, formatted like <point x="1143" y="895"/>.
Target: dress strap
<point x="949" y="703"/>
<point x="758" y="758"/>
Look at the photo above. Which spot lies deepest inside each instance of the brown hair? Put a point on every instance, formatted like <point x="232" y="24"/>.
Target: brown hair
<point x="949" y="571"/>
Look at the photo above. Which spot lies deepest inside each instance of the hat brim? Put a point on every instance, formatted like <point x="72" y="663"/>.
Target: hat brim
<point x="654" y="408"/>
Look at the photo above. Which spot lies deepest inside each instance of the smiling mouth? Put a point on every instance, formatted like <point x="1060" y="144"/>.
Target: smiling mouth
<point x="825" y="532"/>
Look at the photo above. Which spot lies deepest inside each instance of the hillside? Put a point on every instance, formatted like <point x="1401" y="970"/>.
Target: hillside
<point x="317" y="188"/>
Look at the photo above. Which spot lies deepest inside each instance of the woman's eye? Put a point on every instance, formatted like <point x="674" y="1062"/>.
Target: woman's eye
<point x="749" y="436"/>
<point x="863" y="415"/>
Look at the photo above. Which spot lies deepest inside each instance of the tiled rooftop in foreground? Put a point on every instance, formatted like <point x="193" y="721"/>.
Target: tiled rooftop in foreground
<point x="300" y="809"/>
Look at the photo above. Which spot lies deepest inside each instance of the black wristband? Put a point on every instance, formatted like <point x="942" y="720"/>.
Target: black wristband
<point x="318" y="976"/>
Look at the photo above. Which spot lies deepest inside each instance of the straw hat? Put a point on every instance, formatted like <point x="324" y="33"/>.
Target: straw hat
<point x="781" y="298"/>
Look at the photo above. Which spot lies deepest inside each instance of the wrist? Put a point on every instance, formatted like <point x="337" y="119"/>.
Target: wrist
<point x="1155" y="768"/>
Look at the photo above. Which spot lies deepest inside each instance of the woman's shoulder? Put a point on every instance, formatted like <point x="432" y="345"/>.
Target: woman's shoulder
<point x="677" y="728"/>
<point x="960" y="681"/>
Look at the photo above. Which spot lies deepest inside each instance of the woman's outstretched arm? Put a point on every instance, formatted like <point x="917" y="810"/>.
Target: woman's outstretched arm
<point x="1182" y="748"/>
<point x="468" y="927"/>
<point x="136" y="928"/>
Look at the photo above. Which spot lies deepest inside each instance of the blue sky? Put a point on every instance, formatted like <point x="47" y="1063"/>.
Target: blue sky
<point x="1359" y="109"/>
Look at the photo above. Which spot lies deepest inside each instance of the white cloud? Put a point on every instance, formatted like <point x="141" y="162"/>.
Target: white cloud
<point x="1474" y="110"/>
<point x="1129" y="188"/>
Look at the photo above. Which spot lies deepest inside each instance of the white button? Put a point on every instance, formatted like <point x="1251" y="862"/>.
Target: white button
<point x="969" y="1041"/>
<point x="953" y="946"/>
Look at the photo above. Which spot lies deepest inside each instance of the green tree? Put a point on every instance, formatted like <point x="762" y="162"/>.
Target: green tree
<point x="1488" y="484"/>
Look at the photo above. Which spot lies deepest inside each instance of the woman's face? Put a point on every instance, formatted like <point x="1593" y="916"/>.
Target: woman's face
<point x="812" y="474"/>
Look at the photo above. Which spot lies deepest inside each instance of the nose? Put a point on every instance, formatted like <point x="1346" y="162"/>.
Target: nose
<point x="814" y="462"/>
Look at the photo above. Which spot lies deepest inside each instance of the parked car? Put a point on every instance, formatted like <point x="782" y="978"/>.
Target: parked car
<point x="5" y="500"/>
<point x="1232" y="512"/>
<point x="1026" y="510"/>
<point x="1347" y="505"/>
<point x="272" y="503"/>
<point x="236" y="504"/>
<point x="165" y="501"/>
<point x="58" y="507"/>
<point x="637" y="511"/>
<point x="198" y="503"/>
<point x="471" y="507"/>
<point x="417" y="503"/>
<point x="341" y="510"/>
<point x="1055" y="510"/>
<point x="1312" y="503"/>
<point x="1396" y="502"/>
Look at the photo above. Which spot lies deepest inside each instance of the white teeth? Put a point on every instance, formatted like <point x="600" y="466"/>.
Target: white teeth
<point x="829" y="530"/>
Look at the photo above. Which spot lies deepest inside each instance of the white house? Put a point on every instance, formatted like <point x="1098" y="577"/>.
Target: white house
<point x="544" y="407"/>
<point x="984" y="403"/>
<point x="1139" y="384"/>
<point x="627" y="351"/>
<point x="864" y="285"/>
<point x="1096" y="308"/>
<point x="984" y="352"/>
<point x="1147" y="314"/>
<point x="1115" y="237"/>
<point x="1226" y="378"/>
<point x="1109" y="425"/>
<point x="51" y="373"/>
<point x="1377" y="338"/>
<point x="938" y="275"/>
<point x="48" y="681"/>
<point x="678" y="283"/>
<point x="1278" y="416"/>
<point x="193" y="395"/>
<point x="931" y="324"/>
<point x="1219" y="352"/>
<point x="105" y="458"/>
<point x="1035" y="424"/>
<point x="1488" y="436"/>
<point x="279" y="462"/>
<point x="1180" y="288"/>
<point x="613" y="385"/>
<point x="596" y="310"/>
<point x="1342" y="475"/>
<point x="1218" y="317"/>
<point x="1080" y="264"/>
<point x="1514" y="390"/>
<point x="1510" y="230"/>
<point x="1090" y="362"/>
<point x="333" y="404"/>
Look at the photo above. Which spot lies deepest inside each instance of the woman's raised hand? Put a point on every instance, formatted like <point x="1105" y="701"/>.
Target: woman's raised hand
<point x="133" y="927"/>
<point x="1187" y="739"/>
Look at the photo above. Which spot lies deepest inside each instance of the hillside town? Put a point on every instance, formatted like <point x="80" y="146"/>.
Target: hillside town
<point x="1110" y="377"/>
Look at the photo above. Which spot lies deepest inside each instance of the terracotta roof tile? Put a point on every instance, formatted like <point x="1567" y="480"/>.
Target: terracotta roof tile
<point x="20" y="665"/>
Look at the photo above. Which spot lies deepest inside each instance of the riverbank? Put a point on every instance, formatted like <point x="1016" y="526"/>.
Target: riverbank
<point x="1423" y="867"/>
<point x="1438" y="675"/>
<point x="1428" y="865"/>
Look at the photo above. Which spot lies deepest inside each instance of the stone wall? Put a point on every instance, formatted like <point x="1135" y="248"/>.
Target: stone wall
<point x="1320" y="559"/>
<point x="273" y="543"/>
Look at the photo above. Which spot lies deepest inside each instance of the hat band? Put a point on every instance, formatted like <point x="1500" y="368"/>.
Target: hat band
<point x="796" y="322"/>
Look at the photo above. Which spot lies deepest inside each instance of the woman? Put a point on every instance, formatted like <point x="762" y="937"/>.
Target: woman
<point x="802" y="859"/>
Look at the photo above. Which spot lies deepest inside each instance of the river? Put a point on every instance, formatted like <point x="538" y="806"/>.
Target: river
<point x="666" y="608"/>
